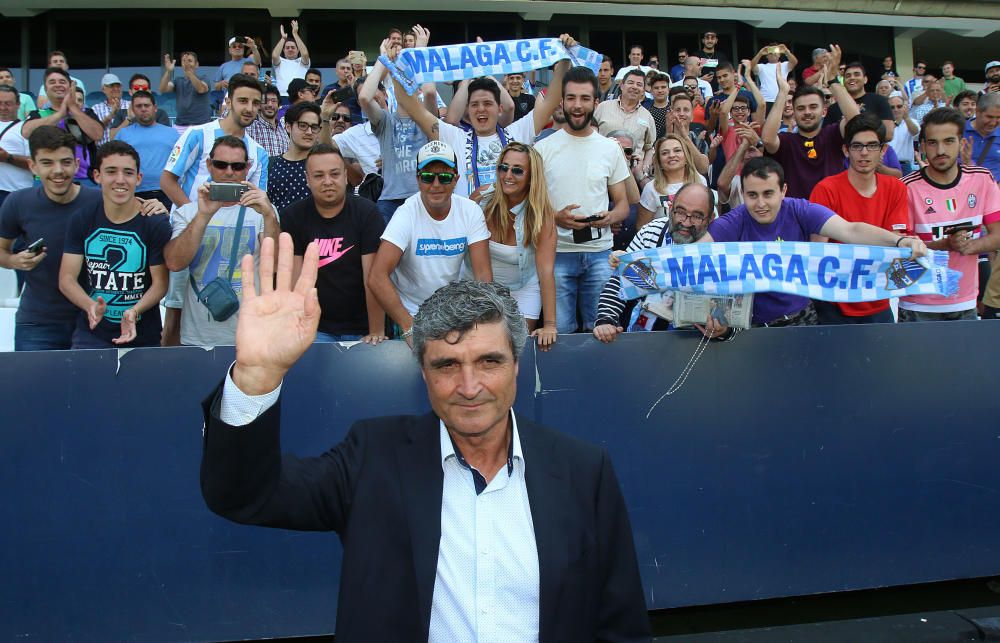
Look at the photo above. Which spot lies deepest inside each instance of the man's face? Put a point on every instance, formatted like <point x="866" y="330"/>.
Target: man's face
<point x="935" y="91"/>
<point x="689" y="216"/>
<point x="290" y="50"/>
<point x="112" y="92"/>
<point x="660" y="89"/>
<point x="250" y="69"/>
<point x="988" y="119"/>
<point x="58" y="61"/>
<point x="409" y="41"/>
<point x="395" y="39"/>
<point x="56" y="86"/>
<point x="763" y="197"/>
<point x="919" y="69"/>
<point x="854" y="81"/>
<point x="436" y="195"/>
<point x="303" y="132"/>
<point x="692" y="66"/>
<point x="315" y="79"/>
<point x="515" y="82"/>
<point x="947" y="69"/>
<point x="681" y="109"/>
<point x="635" y="56"/>
<point x="226" y="155"/>
<point x="139" y="84"/>
<point x="604" y="73"/>
<point x="8" y="106"/>
<point x="269" y="108"/>
<point x="55" y="169"/>
<point x="896" y="105"/>
<point x="578" y="105"/>
<point x="772" y="54"/>
<point x="189" y="62"/>
<point x="144" y="110"/>
<point x="236" y="50"/>
<point x="118" y="178"/>
<point x="244" y="103"/>
<point x="864" y="152"/>
<point x="472" y="382"/>
<point x="681" y="57"/>
<point x="340" y="120"/>
<point x="967" y="106"/>
<point x="654" y="62"/>
<point x="740" y="112"/>
<point x="725" y="78"/>
<point x="883" y="88"/>
<point x="887" y="62"/>
<point x="326" y="177"/>
<point x="691" y="86"/>
<point x="809" y="112"/>
<point x="633" y="87"/>
<point x="344" y="72"/>
<point x="483" y="111"/>
<point x="789" y="109"/>
<point x="628" y="147"/>
<point x="941" y="144"/>
<point x="993" y="75"/>
<point x="558" y="116"/>
<point x="7" y="78"/>
<point x="709" y="40"/>
<point x="307" y="94"/>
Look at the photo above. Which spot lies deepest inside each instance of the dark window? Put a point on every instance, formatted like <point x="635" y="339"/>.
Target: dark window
<point x="608" y="43"/>
<point x="498" y="29"/>
<point x="135" y="42"/>
<point x="10" y="44"/>
<point x="449" y="33"/>
<point x="646" y="39"/>
<point x="37" y="34"/>
<point x="329" y="38"/>
<point x="204" y="36"/>
<point x="81" y="40"/>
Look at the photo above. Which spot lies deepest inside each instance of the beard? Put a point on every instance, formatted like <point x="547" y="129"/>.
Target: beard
<point x="587" y="117"/>
<point x="683" y="233"/>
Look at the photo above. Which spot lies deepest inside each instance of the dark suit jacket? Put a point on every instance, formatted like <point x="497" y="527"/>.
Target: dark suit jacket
<point x="380" y="489"/>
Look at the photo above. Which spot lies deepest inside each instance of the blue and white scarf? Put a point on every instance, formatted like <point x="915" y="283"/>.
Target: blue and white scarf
<point x="445" y="63"/>
<point x="824" y="271"/>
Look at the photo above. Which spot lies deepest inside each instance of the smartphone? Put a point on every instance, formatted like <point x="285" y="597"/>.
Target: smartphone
<point x="37" y="246"/>
<point x="593" y="217"/>
<point x="775" y="50"/>
<point x="228" y="192"/>
<point x="342" y="94"/>
<point x="959" y="227"/>
<point x="357" y="57"/>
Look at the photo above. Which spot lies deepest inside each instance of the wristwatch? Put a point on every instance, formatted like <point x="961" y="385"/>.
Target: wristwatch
<point x="832" y="81"/>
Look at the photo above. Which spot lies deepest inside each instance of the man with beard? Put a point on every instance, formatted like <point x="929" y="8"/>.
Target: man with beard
<point x="710" y="57"/>
<point x="582" y="171"/>
<point x="949" y="204"/>
<point x="558" y="123"/>
<point x="626" y="112"/>
<point x="690" y="214"/>
<point x="347" y="229"/>
<point x="286" y="174"/>
<point x="855" y="80"/>
<point x="861" y="193"/>
<point x="814" y="151"/>
<point x="152" y="141"/>
<point x="188" y="167"/>
<point x="265" y="129"/>
<point x="992" y="77"/>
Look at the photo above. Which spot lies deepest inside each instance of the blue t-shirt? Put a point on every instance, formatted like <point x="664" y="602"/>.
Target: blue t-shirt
<point x="30" y="215"/>
<point x="192" y="108"/>
<point x="230" y="68"/>
<point x="153" y="143"/>
<point x="991" y="161"/>
<point x="116" y="261"/>
<point x="797" y="219"/>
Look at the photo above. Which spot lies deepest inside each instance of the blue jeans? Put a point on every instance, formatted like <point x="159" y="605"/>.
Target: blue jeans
<point x="55" y="336"/>
<point x="388" y="207"/>
<point x="580" y="277"/>
<point x="327" y="338"/>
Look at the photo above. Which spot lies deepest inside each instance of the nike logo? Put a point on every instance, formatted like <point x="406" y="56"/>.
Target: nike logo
<point x="330" y="250"/>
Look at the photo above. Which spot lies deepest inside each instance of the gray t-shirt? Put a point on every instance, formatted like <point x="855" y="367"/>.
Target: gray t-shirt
<point x="399" y="139"/>
<point x="192" y="108"/>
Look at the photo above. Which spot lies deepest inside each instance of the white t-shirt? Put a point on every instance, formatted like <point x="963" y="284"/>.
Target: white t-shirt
<point x="767" y="81"/>
<point x="489" y="147"/>
<point x="286" y="70"/>
<point x="12" y="177"/>
<point x="902" y="142"/>
<point x="433" y="250"/>
<point x="658" y="203"/>
<point x="580" y="170"/>
<point x="211" y="261"/>
<point x="621" y="72"/>
<point x="359" y="142"/>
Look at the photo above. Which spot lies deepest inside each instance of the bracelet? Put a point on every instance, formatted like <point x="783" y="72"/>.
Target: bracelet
<point x="899" y="240"/>
<point x="407" y="333"/>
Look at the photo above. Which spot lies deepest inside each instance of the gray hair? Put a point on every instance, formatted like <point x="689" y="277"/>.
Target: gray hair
<point x="817" y="52"/>
<point x="987" y="101"/>
<point x="621" y="133"/>
<point x="462" y="305"/>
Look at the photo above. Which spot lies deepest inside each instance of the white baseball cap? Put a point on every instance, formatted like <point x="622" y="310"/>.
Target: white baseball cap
<point x="436" y="151"/>
<point x="110" y="79"/>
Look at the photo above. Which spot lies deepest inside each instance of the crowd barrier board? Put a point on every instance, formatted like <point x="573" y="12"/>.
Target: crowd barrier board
<point x="792" y="461"/>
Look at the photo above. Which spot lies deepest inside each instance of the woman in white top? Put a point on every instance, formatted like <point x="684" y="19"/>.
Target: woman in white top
<point x="523" y="237"/>
<point x="673" y="166"/>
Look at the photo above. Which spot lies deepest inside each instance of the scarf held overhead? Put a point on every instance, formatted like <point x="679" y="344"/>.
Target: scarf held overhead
<point x="824" y="271"/>
<point x="445" y="63"/>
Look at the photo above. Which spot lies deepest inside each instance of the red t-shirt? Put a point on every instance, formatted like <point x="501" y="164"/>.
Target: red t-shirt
<point x="886" y="209"/>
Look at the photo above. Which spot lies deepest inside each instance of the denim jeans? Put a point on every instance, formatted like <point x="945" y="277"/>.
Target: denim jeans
<point x="388" y="207"/>
<point x="56" y="336"/>
<point x="580" y="277"/>
<point x="328" y="338"/>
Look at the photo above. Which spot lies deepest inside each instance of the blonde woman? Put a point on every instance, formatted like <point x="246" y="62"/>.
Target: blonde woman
<point x="673" y="166"/>
<point x="523" y="238"/>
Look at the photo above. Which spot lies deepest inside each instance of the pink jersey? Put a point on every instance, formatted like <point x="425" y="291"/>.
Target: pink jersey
<point x="973" y="198"/>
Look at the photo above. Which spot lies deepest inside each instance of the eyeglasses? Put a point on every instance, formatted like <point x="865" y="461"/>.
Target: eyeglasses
<point x="140" y="88"/>
<point x="307" y="127"/>
<point x="681" y="214"/>
<point x="740" y="108"/>
<point x="340" y="117"/>
<point x="444" y="178"/>
<point x="237" y="166"/>
<point x="516" y="170"/>
<point x="629" y="151"/>
<point x="871" y="147"/>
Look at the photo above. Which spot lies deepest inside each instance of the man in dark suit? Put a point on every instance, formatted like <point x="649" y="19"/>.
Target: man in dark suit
<point x="466" y="524"/>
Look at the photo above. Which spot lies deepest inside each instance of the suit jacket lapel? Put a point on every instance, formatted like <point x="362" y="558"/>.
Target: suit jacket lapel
<point x="422" y="481"/>
<point x="545" y="482"/>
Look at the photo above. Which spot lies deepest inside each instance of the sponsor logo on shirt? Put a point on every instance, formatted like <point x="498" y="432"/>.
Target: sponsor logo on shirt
<point x="441" y="247"/>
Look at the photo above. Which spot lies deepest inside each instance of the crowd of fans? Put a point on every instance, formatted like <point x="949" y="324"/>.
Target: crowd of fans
<point x="110" y="210"/>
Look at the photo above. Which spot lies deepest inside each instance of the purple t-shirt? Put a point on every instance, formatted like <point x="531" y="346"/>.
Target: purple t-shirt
<point x="796" y="221"/>
<point x="807" y="161"/>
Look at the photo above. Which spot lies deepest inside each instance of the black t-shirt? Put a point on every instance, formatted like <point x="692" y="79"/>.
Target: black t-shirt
<point x="286" y="182"/>
<point x="878" y="105"/>
<point x="342" y="240"/>
<point x="523" y="104"/>
<point x="709" y="68"/>
<point x="116" y="262"/>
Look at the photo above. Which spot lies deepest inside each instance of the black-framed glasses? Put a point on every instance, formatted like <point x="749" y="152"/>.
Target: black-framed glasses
<point x="238" y="166"/>
<point x="308" y="127"/>
<point x="340" y="117"/>
<point x="516" y="170"/>
<point x="740" y="108"/>
<point x="444" y="178"/>
<point x="695" y="217"/>
<point x="871" y="147"/>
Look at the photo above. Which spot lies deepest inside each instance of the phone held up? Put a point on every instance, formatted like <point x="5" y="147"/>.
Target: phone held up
<point x="227" y="192"/>
<point x="37" y="246"/>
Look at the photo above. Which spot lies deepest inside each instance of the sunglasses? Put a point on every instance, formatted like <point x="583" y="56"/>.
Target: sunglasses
<point x="237" y="166"/>
<point x="515" y="170"/>
<point x="340" y="117"/>
<point x="306" y="127"/>
<point x="137" y="88"/>
<point x="444" y="178"/>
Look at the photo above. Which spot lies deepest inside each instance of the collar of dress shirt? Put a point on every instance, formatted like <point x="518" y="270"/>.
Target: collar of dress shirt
<point x="449" y="450"/>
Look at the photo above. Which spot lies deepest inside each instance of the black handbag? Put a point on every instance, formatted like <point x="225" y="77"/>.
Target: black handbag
<point x="218" y="295"/>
